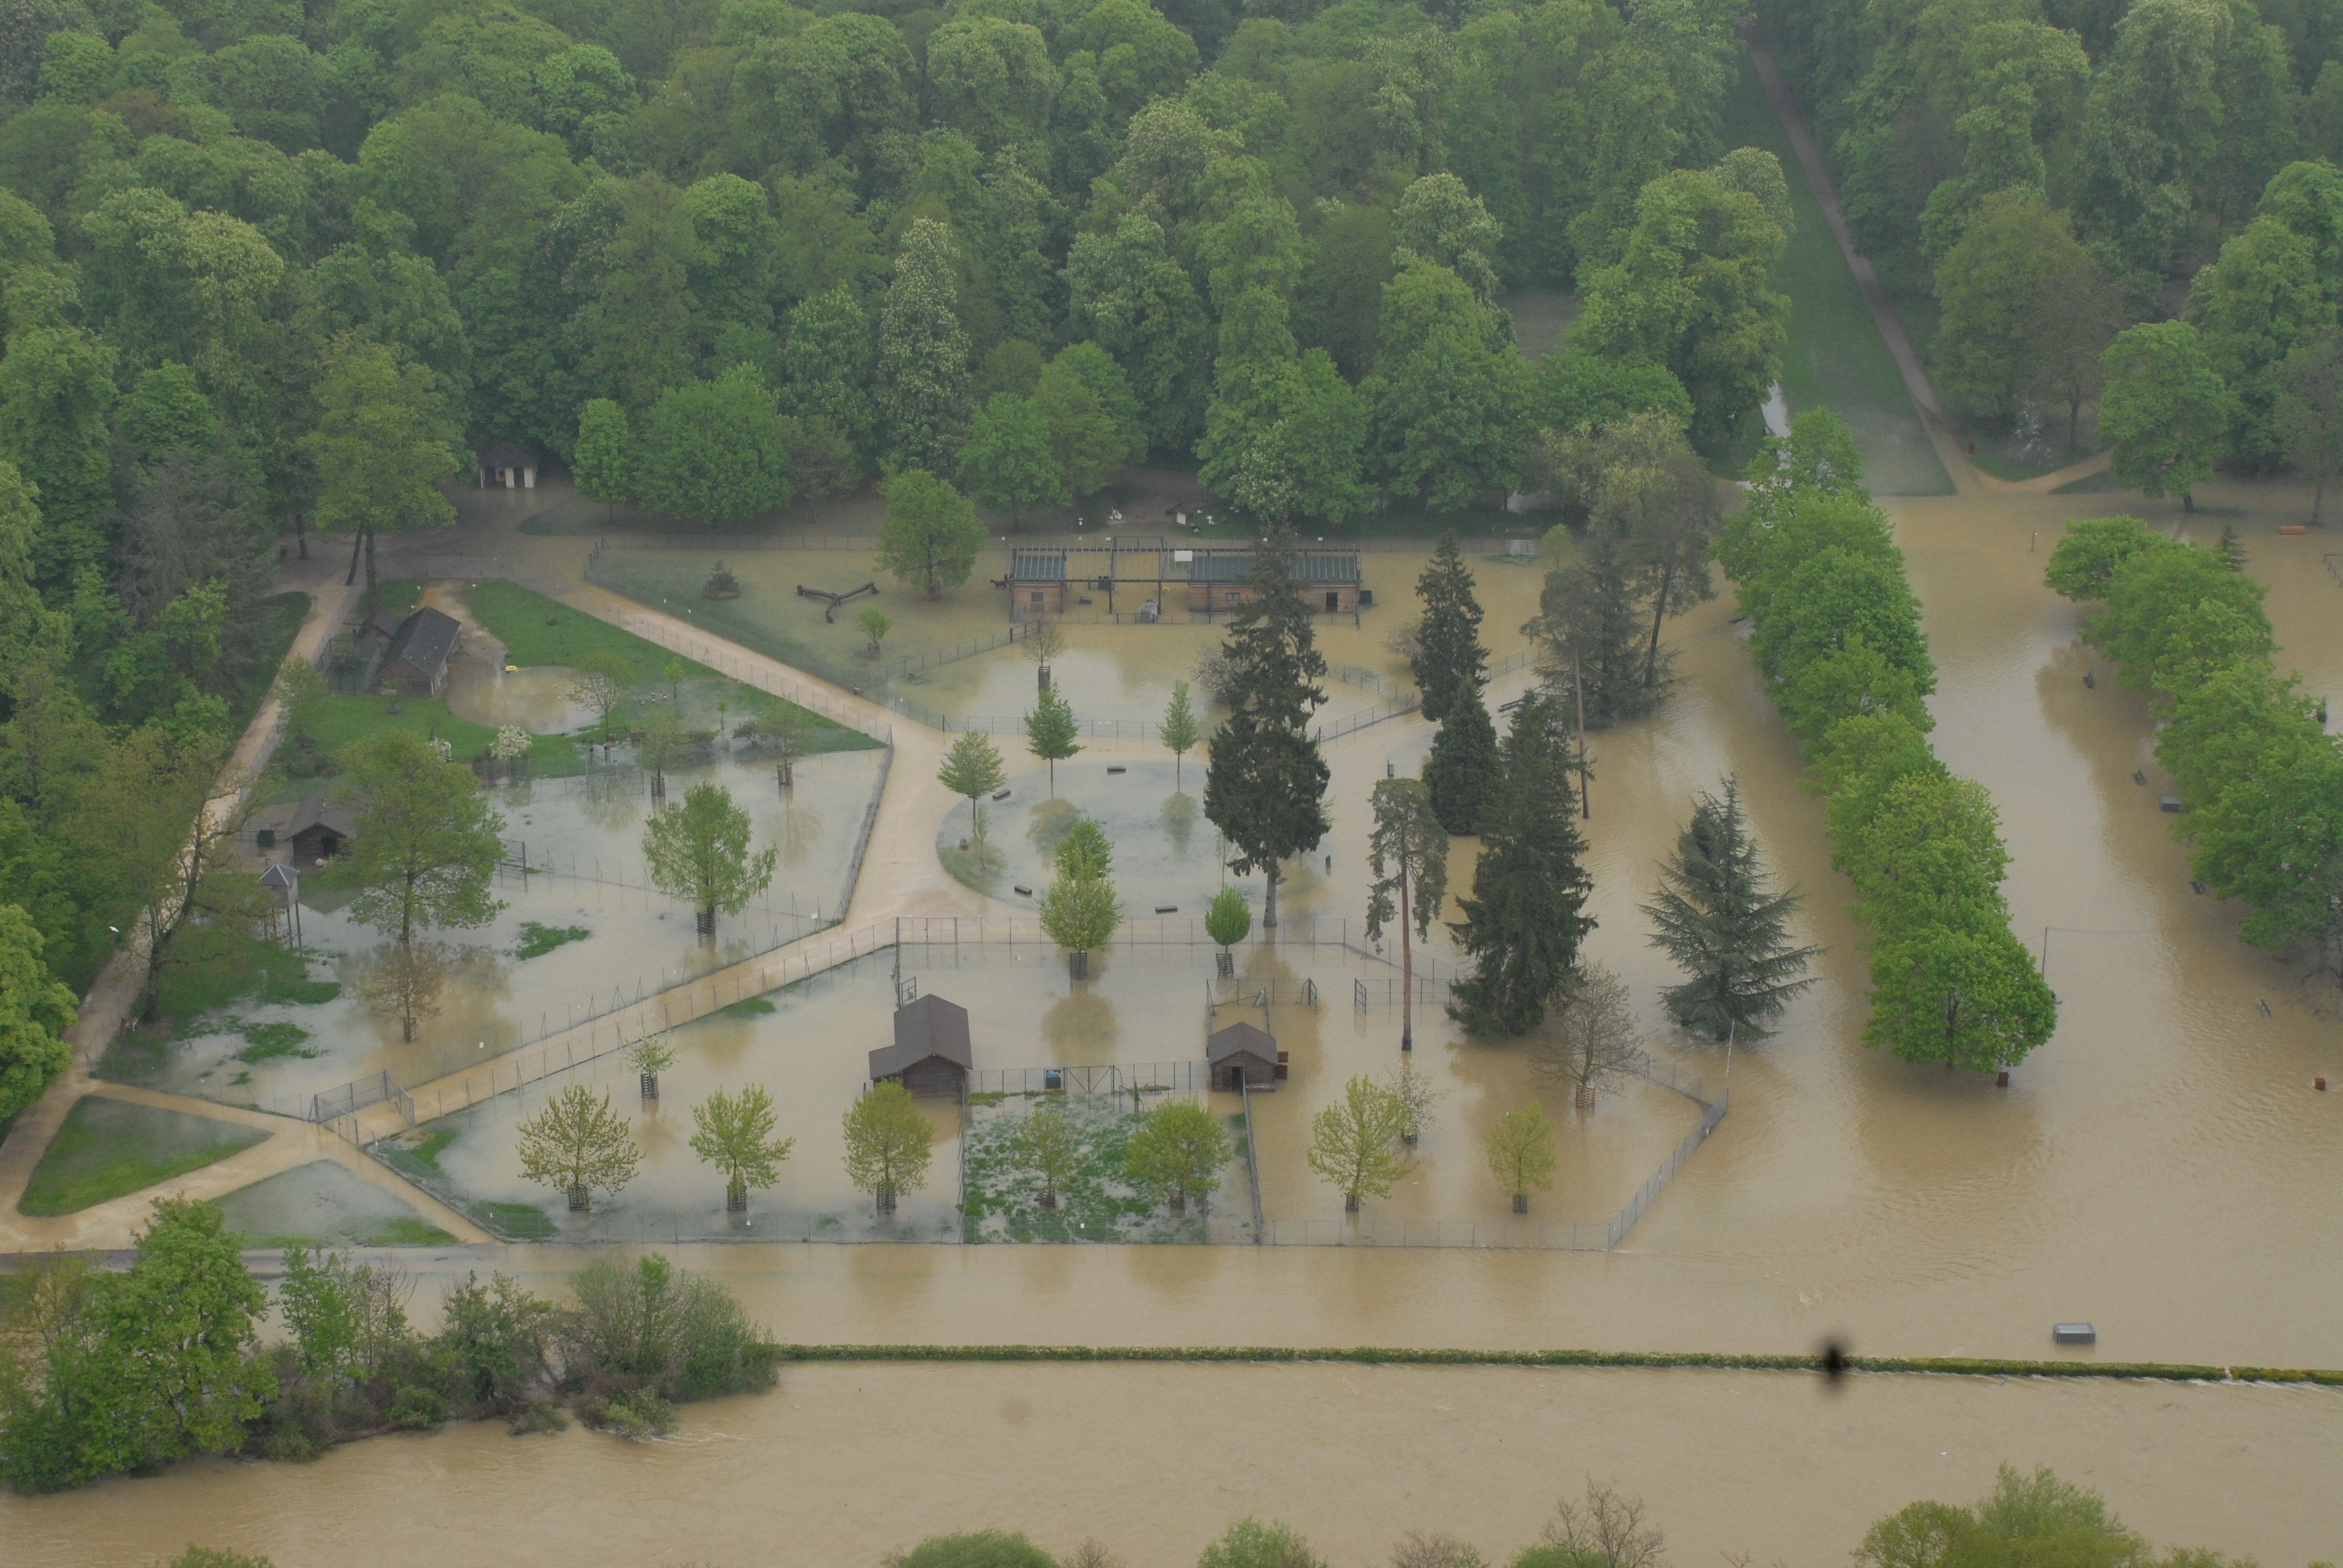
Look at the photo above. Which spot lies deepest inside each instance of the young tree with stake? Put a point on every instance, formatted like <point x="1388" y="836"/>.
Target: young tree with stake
<point x="1080" y="914"/>
<point x="1715" y="914"/>
<point x="735" y="1134"/>
<point x="1417" y="1094"/>
<point x="1177" y="1153"/>
<point x="1354" y="1144"/>
<point x="1519" y="1150"/>
<point x="600" y="681"/>
<point x="889" y="1144"/>
<point x="700" y="852"/>
<point x="650" y="1056"/>
<point x="874" y="624"/>
<point x="577" y="1145"/>
<point x="1228" y="920"/>
<point x="1180" y="728"/>
<point x="1407" y="854"/>
<point x="1050" y="732"/>
<point x="973" y="768"/>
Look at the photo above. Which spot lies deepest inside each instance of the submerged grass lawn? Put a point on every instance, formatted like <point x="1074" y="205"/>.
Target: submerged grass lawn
<point x="107" y="1148"/>
<point x="1096" y="1203"/>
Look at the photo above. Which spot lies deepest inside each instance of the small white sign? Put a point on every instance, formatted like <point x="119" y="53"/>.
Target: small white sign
<point x="1183" y="554"/>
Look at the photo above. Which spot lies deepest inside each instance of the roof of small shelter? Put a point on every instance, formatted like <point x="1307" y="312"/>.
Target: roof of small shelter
<point x="383" y="623"/>
<point x="1236" y="566"/>
<point x="1037" y="565"/>
<point x="509" y="455"/>
<point x="424" y="639"/>
<point x="930" y="1026"/>
<point x="316" y="810"/>
<point x="1241" y="1040"/>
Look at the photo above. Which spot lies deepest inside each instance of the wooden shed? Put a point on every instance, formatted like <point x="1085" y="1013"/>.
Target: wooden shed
<point x="416" y="660"/>
<point x="509" y="464"/>
<point x="1036" y="583"/>
<point x="1241" y="1056"/>
<point x="1223" y="579"/>
<point x="317" y="829"/>
<point x="931" y="1054"/>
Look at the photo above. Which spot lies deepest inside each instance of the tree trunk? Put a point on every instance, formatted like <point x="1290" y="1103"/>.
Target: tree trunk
<point x="2073" y="416"/>
<point x="1585" y="1098"/>
<point x="783" y="775"/>
<point x="1078" y="965"/>
<point x="408" y="1024"/>
<point x="2318" y="499"/>
<point x="372" y="602"/>
<point x="1406" y="972"/>
<point x="1048" y="1197"/>
<point x="736" y="1198"/>
<point x="649" y="1085"/>
<point x="1268" y="904"/>
<point x="1225" y="963"/>
<point x="2188" y="501"/>
<point x="1179" y="1201"/>
<point x="707" y="922"/>
<point x="1349" y="1202"/>
<point x="886" y="1196"/>
<point x="357" y="545"/>
<point x="580" y="1201"/>
<point x="659" y="784"/>
<point x="1659" y="608"/>
<point x="1520" y="1203"/>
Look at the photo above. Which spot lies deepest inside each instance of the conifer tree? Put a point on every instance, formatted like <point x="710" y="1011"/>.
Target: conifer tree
<point x="1448" y="640"/>
<point x="1527" y="916"/>
<point x="1265" y="788"/>
<point x="1407" y="852"/>
<point x="1461" y="772"/>
<point x="1715" y="914"/>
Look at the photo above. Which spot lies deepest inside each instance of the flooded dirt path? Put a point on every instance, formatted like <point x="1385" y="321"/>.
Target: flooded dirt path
<point x="845" y="1464"/>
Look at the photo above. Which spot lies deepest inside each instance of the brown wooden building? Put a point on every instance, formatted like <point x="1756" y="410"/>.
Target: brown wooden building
<point x="1150" y="577"/>
<point x="1243" y="1056"/>
<point x="1222" y="579"/>
<point x="930" y="1055"/>
<point x="317" y="829"/>
<point x="415" y="662"/>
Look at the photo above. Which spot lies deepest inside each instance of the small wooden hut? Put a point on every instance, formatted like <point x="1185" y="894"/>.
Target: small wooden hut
<point x="416" y="660"/>
<point x="931" y="1054"/>
<point x="1223" y="579"/>
<point x="510" y="465"/>
<point x="1243" y="1057"/>
<point x="317" y="829"/>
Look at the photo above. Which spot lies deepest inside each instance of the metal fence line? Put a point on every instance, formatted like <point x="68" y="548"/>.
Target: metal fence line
<point x="724" y="544"/>
<point x="1107" y="1079"/>
<point x="1252" y="1160"/>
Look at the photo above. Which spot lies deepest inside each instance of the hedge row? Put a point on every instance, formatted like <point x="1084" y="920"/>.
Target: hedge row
<point x="1836" y="634"/>
<point x="1372" y="1355"/>
<point x="2261" y="782"/>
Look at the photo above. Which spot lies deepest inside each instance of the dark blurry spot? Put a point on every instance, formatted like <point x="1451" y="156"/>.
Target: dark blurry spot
<point x="1834" y="1363"/>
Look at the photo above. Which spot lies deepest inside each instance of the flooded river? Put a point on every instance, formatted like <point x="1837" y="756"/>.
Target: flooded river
<point x="845" y="1464"/>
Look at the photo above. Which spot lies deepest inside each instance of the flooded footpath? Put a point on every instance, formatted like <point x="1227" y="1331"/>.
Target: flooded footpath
<point x="843" y="1464"/>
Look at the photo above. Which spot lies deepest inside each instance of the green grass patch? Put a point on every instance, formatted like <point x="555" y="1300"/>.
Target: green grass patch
<point x="1096" y="1203"/>
<point x="271" y="1039"/>
<point x="537" y="939"/>
<point x="538" y="630"/>
<point x="515" y="1222"/>
<point x="397" y="596"/>
<point x="1834" y="358"/>
<point x="330" y="723"/>
<point x="404" y="1231"/>
<point x="212" y="970"/>
<point x="107" y="1148"/>
<point x="747" y="1007"/>
<point x="425" y="1154"/>
<point x="2102" y="483"/>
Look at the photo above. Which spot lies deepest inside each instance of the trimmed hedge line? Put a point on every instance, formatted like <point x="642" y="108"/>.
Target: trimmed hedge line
<point x="1837" y="636"/>
<point x="1372" y="1355"/>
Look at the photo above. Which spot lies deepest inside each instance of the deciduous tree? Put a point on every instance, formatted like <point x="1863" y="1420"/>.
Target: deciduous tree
<point x="700" y="852"/>
<point x="1354" y="1144"/>
<point x="1519" y="1147"/>
<point x="2310" y="411"/>
<point x="599" y="459"/>
<point x="973" y="768"/>
<point x="577" y="1145"/>
<point x="1008" y="464"/>
<point x="405" y="982"/>
<point x="713" y="450"/>
<point x="734" y="1132"/>
<point x="1176" y="1154"/>
<point x="1590" y="1043"/>
<point x="1178" y="732"/>
<point x="35" y="1013"/>
<point x="2165" y="411"/>
<point x="424" y="847"/>
<point x="931" y="534"/>
<point x="887" y="1144"/>
<point x="1050" y="730"/>
<point x="1048" y="1146"/>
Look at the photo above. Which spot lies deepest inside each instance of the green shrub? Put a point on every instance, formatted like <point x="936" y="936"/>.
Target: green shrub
<point x="975" y="1548"/>
<point x="416" y="1410"/>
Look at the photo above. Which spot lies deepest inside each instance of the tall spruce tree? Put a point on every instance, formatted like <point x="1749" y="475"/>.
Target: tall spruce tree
<point x="1715" y="913"/>
<point x="1448" y="662"/>
<point x="1526" y="917"/>
<point x="1591" y="621"/>
<point x="1448" y="641"/>
<point x="1461" y="772"/>
<point x="1265" y="788"/>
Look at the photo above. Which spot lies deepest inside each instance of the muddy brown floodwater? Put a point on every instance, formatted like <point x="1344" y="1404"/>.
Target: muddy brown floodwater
<point x="845" y="1464"/>
<point x="2162" y="1168"/>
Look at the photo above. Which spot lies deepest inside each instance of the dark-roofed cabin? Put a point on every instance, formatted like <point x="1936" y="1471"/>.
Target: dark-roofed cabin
<point x="931" y="1054"/>
<point x="1223" y="579"/>
<point x="316" y="831"/>
<point x="1242" y="1057"/>
<point x="509" y="464"/>
<point x="415" y="662"/>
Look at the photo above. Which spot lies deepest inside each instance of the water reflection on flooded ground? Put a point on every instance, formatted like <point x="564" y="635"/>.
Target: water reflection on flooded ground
<point x="1155" y="1461"/>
